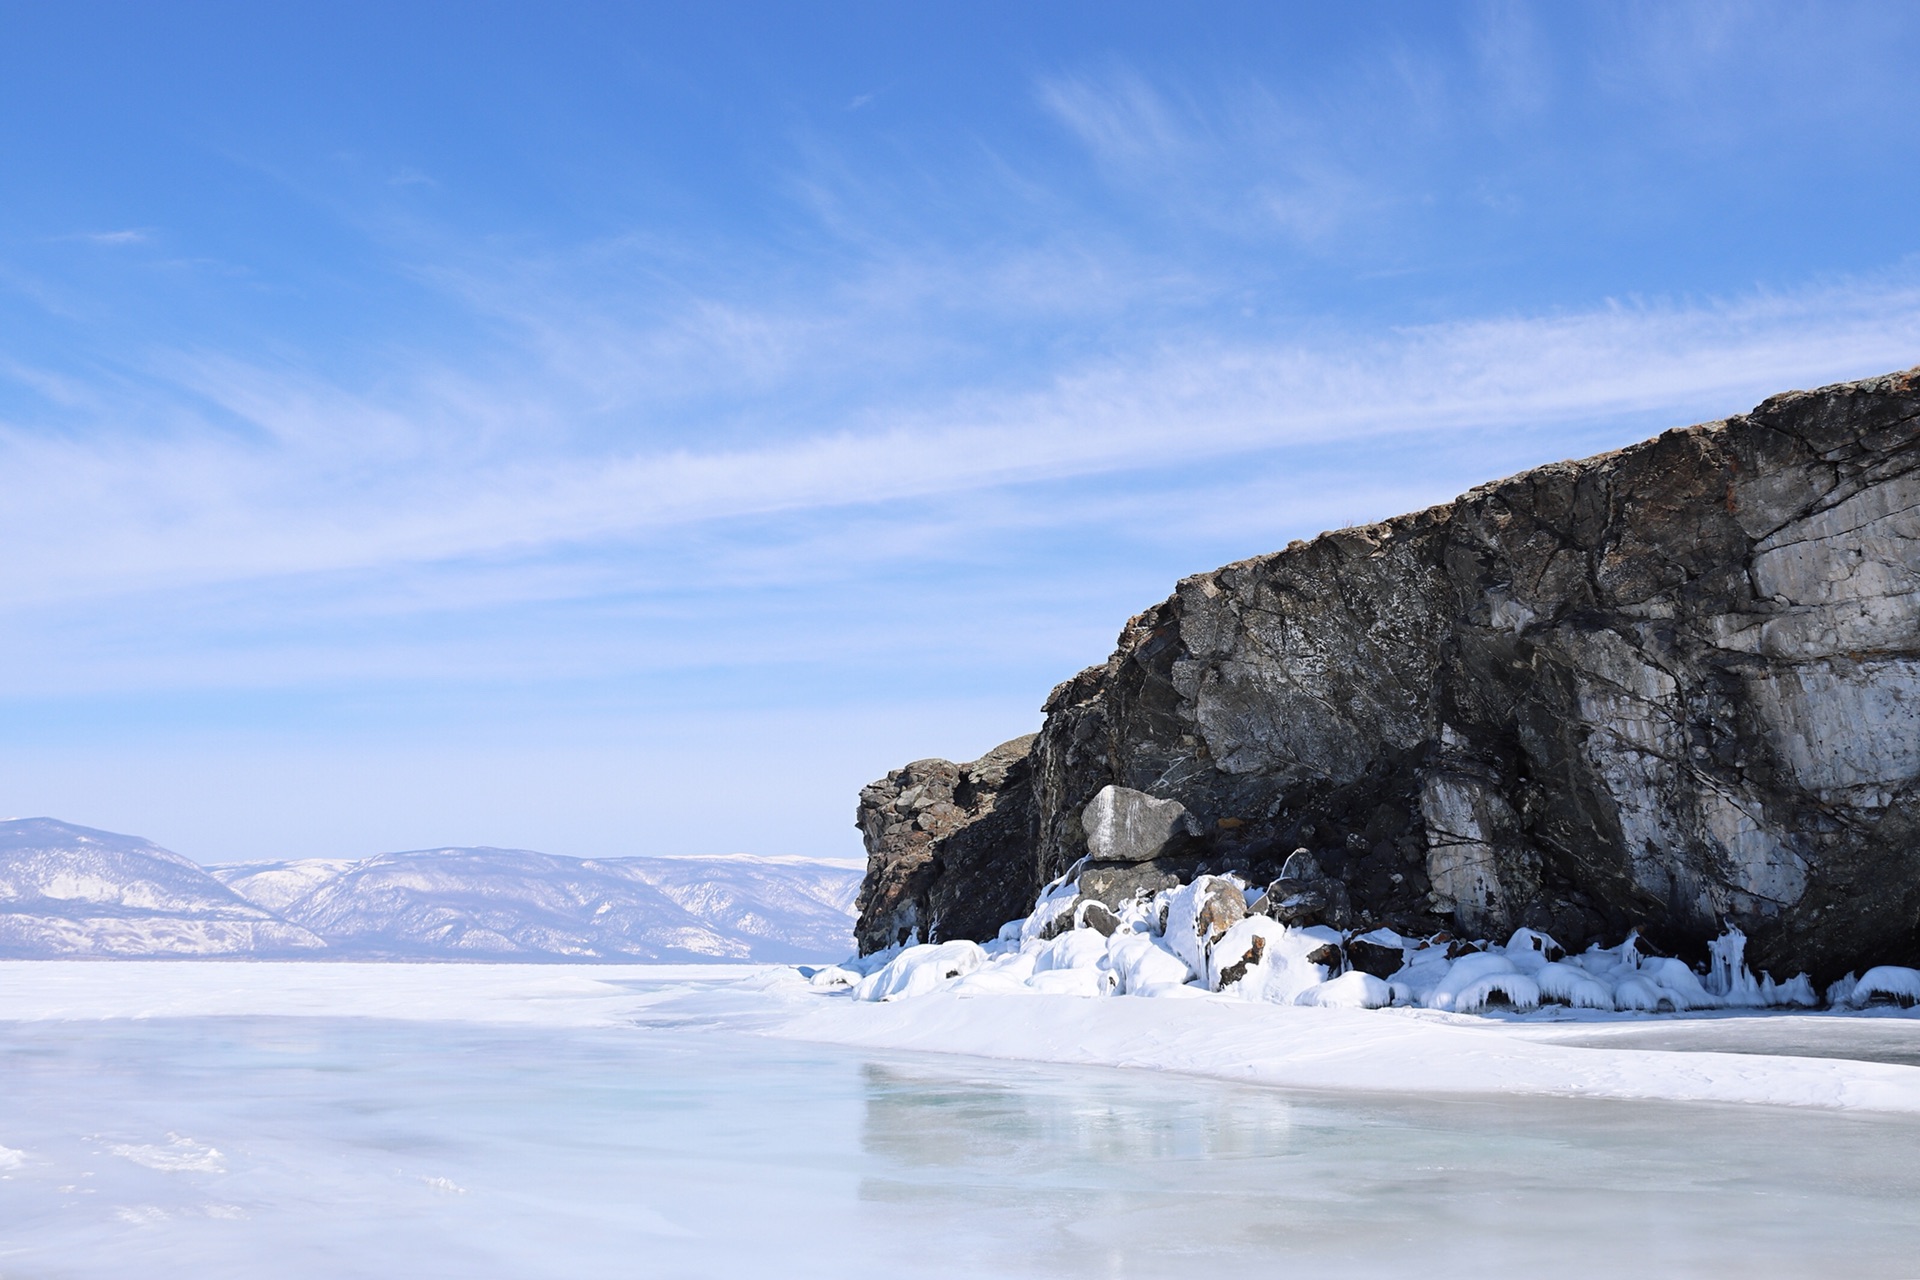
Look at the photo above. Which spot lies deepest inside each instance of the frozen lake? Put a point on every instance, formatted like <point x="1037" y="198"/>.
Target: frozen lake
<point x="243" y="1144"/>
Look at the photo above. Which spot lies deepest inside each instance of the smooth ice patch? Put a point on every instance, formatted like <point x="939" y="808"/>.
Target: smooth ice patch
<point x="362" y="1147"/>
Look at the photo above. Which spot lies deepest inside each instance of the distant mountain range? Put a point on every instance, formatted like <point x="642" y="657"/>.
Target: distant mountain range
<point x="72" y="892"/>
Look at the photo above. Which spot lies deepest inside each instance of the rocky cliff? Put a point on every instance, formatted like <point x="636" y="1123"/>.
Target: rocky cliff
<point x="949" y="848"/>
<point x="1675" y="687"/>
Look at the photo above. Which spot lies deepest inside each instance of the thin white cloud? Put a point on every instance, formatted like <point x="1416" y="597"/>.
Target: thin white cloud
<point x="1121" y="118"/>
<point x="1247" y="159"/>
<point x="330" y="480"/>
<point x="114" y="239"/>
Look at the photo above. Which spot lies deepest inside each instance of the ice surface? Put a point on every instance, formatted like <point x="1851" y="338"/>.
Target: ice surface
<point x="587" y="1121"/>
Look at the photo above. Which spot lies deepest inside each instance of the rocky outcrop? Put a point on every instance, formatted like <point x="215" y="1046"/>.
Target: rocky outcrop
<point x="949" y="848"/>
<point x="1674" y="687"/>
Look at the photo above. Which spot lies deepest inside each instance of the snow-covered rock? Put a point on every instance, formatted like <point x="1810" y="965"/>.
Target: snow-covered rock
<point x="1280" y="968"/>
<point x="1888" y="982"/>
<point x="1199" y="939"/>
<point x="1351" y="990"/>
<point x="1199" y="914"/>
<point x="1142" y="963"/>
<point x="918" y="970"/>
<point x="1571" y="985"/>
<point x="1475" y="981"/>
<point x="1240" y="950"/>
<point x="1076" y="949"/>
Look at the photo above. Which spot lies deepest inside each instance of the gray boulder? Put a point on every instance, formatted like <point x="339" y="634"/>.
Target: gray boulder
<point x="1095" y="916"/>
<point x="1124" y="825"/>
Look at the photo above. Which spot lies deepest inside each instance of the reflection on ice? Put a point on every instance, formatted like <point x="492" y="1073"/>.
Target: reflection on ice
<point x="327" y="1147"/>
<point x="1112" y="1174"/>
<point x="985" y="1119"/>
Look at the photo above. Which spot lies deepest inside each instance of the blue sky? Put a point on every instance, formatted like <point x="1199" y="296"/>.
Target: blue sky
<point x="627" y="429"/>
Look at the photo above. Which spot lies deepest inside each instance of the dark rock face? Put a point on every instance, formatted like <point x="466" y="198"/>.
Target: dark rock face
<point x="1674" y="687"/>
<point x="1374" y="958"/>
<point x="1304" y="894"/>
<point x="939" y="838"/>
<point x="1114" y="883"/>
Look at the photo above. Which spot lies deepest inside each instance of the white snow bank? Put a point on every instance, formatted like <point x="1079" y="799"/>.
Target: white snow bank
<point x="1353" y="990"/>
<point x="1887" y="982"/>
<point x="1142" y="964"/>
<point x="1475" y="981"/>
<point x="918" y="970"/>
<point x="1342" y="1049"/>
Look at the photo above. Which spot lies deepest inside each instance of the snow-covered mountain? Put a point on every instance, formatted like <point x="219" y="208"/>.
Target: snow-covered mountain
<point x="518" y="904"/>
<point x="71" y="891"/>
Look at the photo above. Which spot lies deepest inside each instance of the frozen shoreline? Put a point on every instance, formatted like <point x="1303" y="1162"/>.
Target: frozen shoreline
<point x="1377" y="1051"/>
<point x="1670" y="1057"/>
<point x="542" y="994"/>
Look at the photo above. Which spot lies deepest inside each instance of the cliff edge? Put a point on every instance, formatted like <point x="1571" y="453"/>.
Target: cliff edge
<point x="1674" y="687"/>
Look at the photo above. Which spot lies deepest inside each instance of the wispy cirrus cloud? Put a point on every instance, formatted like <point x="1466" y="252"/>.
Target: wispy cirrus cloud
<point x="577" y="403"/>
<point x="283" y="473"/>
<point x="1246" y="160"/>
<point x="113" y="239"/>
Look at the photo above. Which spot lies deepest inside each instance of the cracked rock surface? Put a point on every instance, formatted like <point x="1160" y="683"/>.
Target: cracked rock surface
<point x="939" y="836"/>
<point x="1674" y="687"/>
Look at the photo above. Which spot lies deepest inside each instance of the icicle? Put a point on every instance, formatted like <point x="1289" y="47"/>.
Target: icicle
<point x="1727" y="974"/>
<point x="1841" y="990"/>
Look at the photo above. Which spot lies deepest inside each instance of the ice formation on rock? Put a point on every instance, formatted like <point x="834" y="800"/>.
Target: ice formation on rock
<point x="1201" y="937"/>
